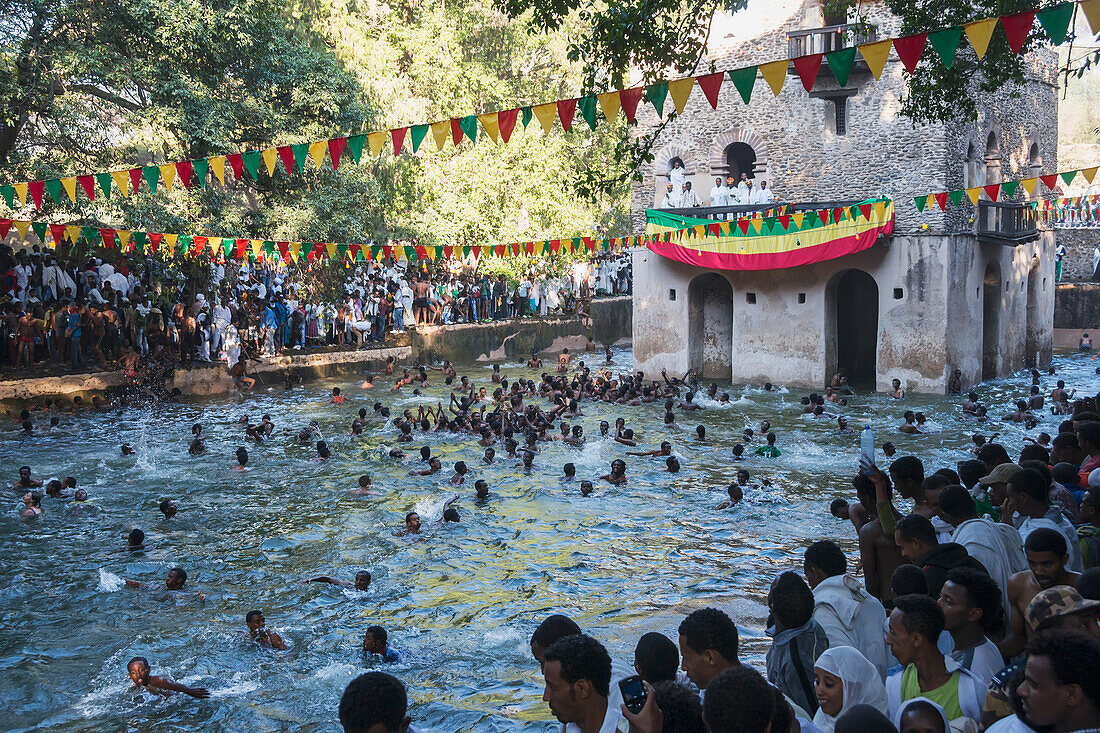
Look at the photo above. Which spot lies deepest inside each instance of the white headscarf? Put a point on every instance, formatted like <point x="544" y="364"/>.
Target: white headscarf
<point x="859" y="678"/>
<point x="938" y="708"/>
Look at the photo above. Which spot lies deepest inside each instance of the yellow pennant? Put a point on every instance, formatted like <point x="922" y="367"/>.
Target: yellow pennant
<point x="1091" y="9"/>
<point x="875" y="54"/>
<point x="257" y="247"/>
<point x="21" y="193"/>
<point x="22" y="227"/>
<point x="295" y="248"/>
<point x="270" y="156"/>
<point x="609" y="104"/>
<point x="331" y="249"/>
<point x="73" y="233"/>
<point x="121" y="181"/>
<point x="124" y="238"/>
<point x="724" y="227"/>
<point x="1029" y="185"/>
<point x="214" y="243"/>
<point x="491" y="125"/>
<point x="376" y="140"/>
<point x="880" y="209"/>
<point x="680" y="91"/>
<point x="973" y="193"/>
<point x="217" y="164"/>
<point x="317" y="152"/>
<point x="168" y="174"/>
<point x="69" y="184"/>
<point x="170" y="242"/>
<point x="439" y="132"/>
<point x="774" y="73"/>
<point x="1089" y="173"/>
<point x="756" y="221"/>
<point x="545" y="114"/>
<point x="978" y="33"/>
<point x="797" y="218"/>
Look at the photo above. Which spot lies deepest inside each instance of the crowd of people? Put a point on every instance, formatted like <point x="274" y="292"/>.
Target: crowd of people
<point x="731" y="191"/>
<point x="977" y="609"/>
<point x="85" y="312"/>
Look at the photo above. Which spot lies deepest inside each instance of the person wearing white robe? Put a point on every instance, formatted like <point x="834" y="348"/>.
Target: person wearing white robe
<point x="690" y="199"/>
<point x="720" y="194"/>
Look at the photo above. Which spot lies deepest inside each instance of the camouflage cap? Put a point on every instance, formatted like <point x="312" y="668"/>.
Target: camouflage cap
<point x="1061" y="600"/>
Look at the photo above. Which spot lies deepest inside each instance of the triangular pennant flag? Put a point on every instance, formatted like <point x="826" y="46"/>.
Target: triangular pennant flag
<point x="5" y="227"/>
<point x="1068" y="176"/>
<point x="1008" y="188"/>
<point x="124" y="239"/>
<point x="774" y="73"/>
<point x="490" y="125"/>
<point x="283" y="247"/>
<point x="840" y="63"/>
<point x="1055" y="21"/>
<point x="418" y="133"/>
<point x="941" y="200"/>
<point x="354" y="146"/>
<point x="655" y="94"/>
<point x="138" y="242"/>
<point x="1089" y="173"/>
<point x="376" y="140"/>
<point x="258" y="247"/>
<point x="397" y="136"/>
<point x="468" y="125"/>
<point x="108" y="237"/>
<point x="525" y="117"/>
<point x="545" y="113"/>
<point x="39" y="228"/>
<point x="1029" y="185"/>
<point x="21" y="193"/>
<point x="22" y="227"/>
<point x="198" y="243"/>
<point x="909" y="49"/>
<point x="295" y="249"/>
<point x="317" y="150"/>
<point x="217" y="164"/>
<point x="251" y="160"/>
<point x="136" y="174"/>
<point x="587" y="106"/>
<point x="978" y="33"/>
<point x="57" y="231"/>
<point x="807" y="68"/>
<point x="711" y="84"/>
<point x="53" y="188"/>
<point x="993" y="191"/>
<point x="37" y="188"/>
<point x="104" y="181"/>
<point x="629" y="99"/>
<point x="875" y="54"/>
<point x="743" y="225"/>
<point x="956" y="196"/>
<point x="72" y="233"/>
<point x="185" y="242"/>
<point x="88" y="184"/>
<point x="506" y="119"/>
<point x="1017" y="27"/>
<point x="336" y="150"/>
<point x="8" y="192"/>
<point x="301" y="155"/>
<point x="439" y="132"/>
<point x="797" y="218"/>
<point x="865" y="210"/>
<point x="1050" y="181"/>
<point x="1091" y="9"/>
<point x="69" y="184"/>
<point x="185" y="170"/>
<point x="456" y="130"/>
<point x="168" y="173"/>
<point x="681" y="91"/>
<point x="609" y="104"/>
<point x="287" y="157"/>
<point x="974" y="193"/>
<point x="945" y="43"/>
<point x="89" y="235"/>
<point x="566" y="109"/>
<point x="236" y="162"/>
<point x="120" y="178"/>
<point x="170" y="239"/>
<point x="270" y="156"/>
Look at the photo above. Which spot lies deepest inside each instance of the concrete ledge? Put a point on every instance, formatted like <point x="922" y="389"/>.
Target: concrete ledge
<point x="1070" y="337"/>
<point x="23" y="389"/>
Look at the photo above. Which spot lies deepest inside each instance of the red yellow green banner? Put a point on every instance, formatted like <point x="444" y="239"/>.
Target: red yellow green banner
<point x="1053" y="183"/>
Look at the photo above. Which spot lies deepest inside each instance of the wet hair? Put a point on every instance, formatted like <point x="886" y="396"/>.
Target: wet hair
<point x="863" y="719"/>
<point x="1074" y="659"/>
<point x="837" y="505"/>
<point x="673" y="464"/>
<point x="1030" y="482"/>
<point x="450" y="515"/>
<point x="425" y="453"/>
<point x="917" y="527"/>
<point x="920" y="615"/>
<point x="908" y="579"/>
<point x="164" y="505"/>
<point x="553" y="628"/>
<point x="364" y="480"/>
<point x="460" y="467"/>
<point x="739" y="700"/>
<point x="993" y="454"/>
<point x="709" y="628"/>
<point x="656" y="658"/>
<point x="956" y="502"/>
<point x="251" y="615"/>
<point x="826" y="556"/>
<point x="908" y="468"/>
<point x="569" y="469"/>
<point x="1034" y="452"/>
<point x="791" y="600"/>
<point x="1046" y="539"/>
<point x="680" y="708"/>
<point x="582" y="658"/>
<point x="982" y="592"/>
<point x="371" y="699"/>
<point x="242" y="456"/>
<point x="969" y="473"/>
<point x="135" y="538"/>
<point x="410" y="515"/>
<point x="380" y="634"/>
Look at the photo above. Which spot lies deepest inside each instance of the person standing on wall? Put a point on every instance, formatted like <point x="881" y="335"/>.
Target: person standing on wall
<point x="1059" y="255"/>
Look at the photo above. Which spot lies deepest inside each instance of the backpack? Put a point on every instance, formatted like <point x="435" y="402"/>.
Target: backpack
<point x="1088" y="537"/>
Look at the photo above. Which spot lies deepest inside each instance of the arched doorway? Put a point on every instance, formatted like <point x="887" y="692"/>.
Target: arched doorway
<point x="991" y="320"/>
<point x="1032" y="341"/>
<point x="740" y="158"/>
<point x="852" y="327"/>
<point x="710" y="326"/>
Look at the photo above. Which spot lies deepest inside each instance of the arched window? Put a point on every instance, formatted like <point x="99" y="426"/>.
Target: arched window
<point x="992" y="160"/>
<point x="972" y="169"/>
<point x="740" y="158"/>
<point x="1034" y="161"/>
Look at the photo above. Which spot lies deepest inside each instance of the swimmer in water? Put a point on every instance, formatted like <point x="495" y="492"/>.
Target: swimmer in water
<point x="735" y="497"/>
<point x="168" y="509"/>
<point x="365" y="488"/>
<point x="242" y="459"/>
<point x="896" y="392"/>
<point x="618" y="473"/>
<point x="700" y="432"/>
<point x="175" y="581"/>
<point x="323" y="453"/>
<point x="127" y="449"/>
<point x="490" y="454"/>
<point x="889" y="450"/>
<point x="367" y="384"/>
<point x="25" y="481"/>
<point x="738" y="452"/>
<point x="842" y="427"/>
<point x="362" y="581"/>
<point x="135" y="541"/>
<point x="337" y="398"/>
<point x="481" y="488"/>
<point x="673" y="464"/>
<point x="459" y="474"/>
<point x="434" y="466"/>
<point x="259" y="633"/>
<point x="664" y="450"/>
<point x="138" y="671"/>
<point x="32" y="505"/>
<point x="534" y="362"/>
<point x="908" y="426"/>
<point x="569" y="472"/>
<point x="586" y="488"/>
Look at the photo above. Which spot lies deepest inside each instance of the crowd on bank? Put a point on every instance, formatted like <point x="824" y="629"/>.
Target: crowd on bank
<point x="85" y="312"/>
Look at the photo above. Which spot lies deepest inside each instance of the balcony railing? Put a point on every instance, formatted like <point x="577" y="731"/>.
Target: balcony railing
<point x="829" y="38"/>
<point x="1008" y="223"/>
<point x="723" y="213"/>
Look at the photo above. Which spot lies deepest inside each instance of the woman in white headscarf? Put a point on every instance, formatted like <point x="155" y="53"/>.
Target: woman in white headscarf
<point x="843" y="678"/>
<point x="921" y="715"/>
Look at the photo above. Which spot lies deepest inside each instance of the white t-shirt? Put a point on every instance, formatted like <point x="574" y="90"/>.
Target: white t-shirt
<point x="983" y="660"/>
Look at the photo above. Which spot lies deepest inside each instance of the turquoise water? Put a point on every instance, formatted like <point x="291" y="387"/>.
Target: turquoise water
<point x="459" y="601"/>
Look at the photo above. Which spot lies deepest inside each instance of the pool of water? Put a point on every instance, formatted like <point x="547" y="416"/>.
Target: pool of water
<point x="459" y="601"/>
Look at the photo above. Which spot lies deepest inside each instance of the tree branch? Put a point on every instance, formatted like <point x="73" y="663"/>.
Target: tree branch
<point x="106" y="96"/>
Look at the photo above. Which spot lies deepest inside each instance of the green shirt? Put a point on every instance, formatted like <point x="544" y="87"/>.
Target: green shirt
<point x="947" y="696"/>
<point x="768" y="451"/>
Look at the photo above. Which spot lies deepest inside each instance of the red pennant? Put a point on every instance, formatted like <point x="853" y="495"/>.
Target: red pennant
<point x="529" y="248"/>
<point x="909" y="50"/>
<point x="992" y="191"/>
<point x="456" y="130"/>
<point x="713" y="229"/>
<point x="199" y="242"/>
<point x="398" y="137"/>
<point x="108" y="236"/>
<point x="238" y="165"/>
<point x="154" y="241"/>
<point x="287" y="156"/>
<point x="941" y="200"/>
<point x="36" y="188"/>
<point x="629" y="99"/>
<point x="387" y="251"/>
<point x="785" y="221"/>
<point x="506" y="121"/>
<point x="555" y="246"/>
<point x="421" y="250"/>
<point x="135" y="178"/>
<point x="284" y="247"/>
<point x="807" y="68"/>
<point x="57" y="230"/>
<point x="1017" y="27"/>
<point x="88" y="184"/>
<point x="5" y="227"/>
<point x="336" y="149"/>
<point x="1050" y="181"/>
<point x="566" y="109"/>
<point x="865" y="210"/>
<point x="838" y="214"/>
<point x="448" y="250"/>
<point x="710" y="85"/>
<point x="242" y="245"/>
<point x="743" y="225"/>
<point x="823" y="215"/>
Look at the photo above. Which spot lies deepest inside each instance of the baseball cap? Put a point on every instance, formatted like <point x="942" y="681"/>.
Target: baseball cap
<point x="1000" y="474"/>
<point x="1061" y="600"/>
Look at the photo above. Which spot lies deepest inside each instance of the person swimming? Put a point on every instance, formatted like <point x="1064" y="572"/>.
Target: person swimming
<point x="138" y="671"/>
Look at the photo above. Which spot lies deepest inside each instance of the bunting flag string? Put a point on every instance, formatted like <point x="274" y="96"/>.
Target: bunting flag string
<point x="1070" y="211"/>
<point x="1003" y="190"/>
<point x="1053" y="21"/>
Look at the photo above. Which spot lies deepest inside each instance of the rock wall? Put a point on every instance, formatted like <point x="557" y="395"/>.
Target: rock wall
<point x="1079" y="244"/>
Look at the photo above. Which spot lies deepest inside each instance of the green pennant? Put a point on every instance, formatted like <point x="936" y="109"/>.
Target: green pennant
<point x="138" y="239"/>
<point x="53" y="188"/>
<point x="1008" y="188"/>
<point x="744" y="79"/>
<point x="104" y="181"/>
<point x="417" y="134"/>
<point x="1068" y="176"/>
<point x="956" y="196"/>
<point x="200" y="167"/>
<point x="300" y="151"/>
<point x="468" y="124"/>
<point x="1055" y="21"/>
<point x="342" y="250"/>
<point x="945" y="43"/>
<point x="269" y="247"/>
<point x="812" y="219"/>
<point x="920" y="201"/>
<point x="656" y="94"/>
<point x="227" y="245"/>
<point x="587" y="106"/>
<point x="8" y="193"/>
<point x="840" y="63"/>
<point x="89" y="234"/>
<point x="184" y="243"/>
<point x="527" y="116"/>
<point x="375" y="250"/>
<point x="410" y="253"/>
<point x="466" y="249"/>
<point x="251" y="161"/>
<point x="355" y="146"/>
<point x="152" y="176"/>
<point x="39" y="228"/>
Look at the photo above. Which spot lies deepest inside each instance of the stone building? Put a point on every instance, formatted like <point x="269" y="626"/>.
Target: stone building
<point x="971" y="288"/>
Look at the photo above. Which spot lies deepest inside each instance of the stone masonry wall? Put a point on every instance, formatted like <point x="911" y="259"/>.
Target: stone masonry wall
<point x="1079" y="243"/>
